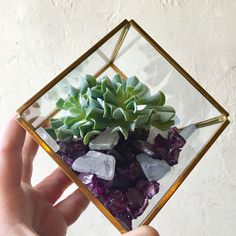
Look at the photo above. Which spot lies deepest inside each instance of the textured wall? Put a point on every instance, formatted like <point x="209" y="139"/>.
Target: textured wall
<point x="39" y="38"/>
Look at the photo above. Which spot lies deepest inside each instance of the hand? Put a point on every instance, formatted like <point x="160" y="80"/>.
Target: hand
<point x="27" y="210"/>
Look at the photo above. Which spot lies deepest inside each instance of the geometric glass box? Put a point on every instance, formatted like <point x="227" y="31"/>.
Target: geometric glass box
<point x="129" y="51"/>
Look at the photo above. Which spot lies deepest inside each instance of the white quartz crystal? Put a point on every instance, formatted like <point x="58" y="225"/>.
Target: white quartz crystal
<point x="154" y="169"/>
<point x="98" y="163"/>
<point x="188" y="131"/>
<point x="48" y="139"/>
<point x="104" y="141"/>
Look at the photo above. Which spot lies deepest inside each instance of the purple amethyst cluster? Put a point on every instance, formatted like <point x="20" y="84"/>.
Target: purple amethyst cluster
<point x="126" y="196"/>
<point x="170" y="148"/>
<point x="72" y="150"/>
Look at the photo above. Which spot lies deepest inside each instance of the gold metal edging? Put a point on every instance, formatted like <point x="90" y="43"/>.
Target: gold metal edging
<point x="117" y="70"/>
<point x="184" y="174"/>
<point x="179" y="68"/>
<point x="71" y="175"/>
<point x="119" y="43"/>
<point x="98" y="73"/>
<point x="72" y="66"/>
<point x="208" y="122"/>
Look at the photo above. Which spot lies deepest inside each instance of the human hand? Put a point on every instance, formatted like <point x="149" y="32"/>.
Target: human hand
<point x="27" y="210"/>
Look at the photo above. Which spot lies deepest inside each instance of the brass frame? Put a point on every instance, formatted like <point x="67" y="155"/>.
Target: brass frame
<point x="110" y="63"/>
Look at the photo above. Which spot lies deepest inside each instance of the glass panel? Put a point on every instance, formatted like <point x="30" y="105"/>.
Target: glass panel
<point x="138" y="162"/>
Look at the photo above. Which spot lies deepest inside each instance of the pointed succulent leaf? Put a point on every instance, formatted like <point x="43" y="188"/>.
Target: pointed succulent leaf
<point x="78" y="124"/>
<point x="85" y="128"/>
<point x="51" y="132"/>
<point x="117" y="80"/>
<point x="56" y="123"/>
<point x="70" y="120"/>
<point x="91" y="80"/>
<point x="83" y="85"/>
<point x="109" y="84"/>
<point x="132" y="126"/>
<point x="74" y="101"/>
<point x="120" y="91"/>
<point x="74" y="111"/>
<point x="131" y="99"/>
<point x="140" y="88"/>
<point x="132" y="106"/>
<point x="64" y="134"/>
<point x="93" y="103"/>
<point x="100" y="123"/>
<point x="83" y="102"/>
<point x="162" y="126"/>
<point x="109" y="97"/>
<point x="162" y="113"/>
<point x="142" y="120"/>
<point x="105" y="107"/>
<point x="68" y="105"/>
<point x="131" y="82"/>
<point x="74" y="91"/>
<point x="94" y="113"/>
<point x="124" y="131"/>
<point x="157" y="99"/>
<point x="89" y="135"/>
<point x="121" y="114"/>
<point x="60" y="103"/>
<point x="96" y="93"/>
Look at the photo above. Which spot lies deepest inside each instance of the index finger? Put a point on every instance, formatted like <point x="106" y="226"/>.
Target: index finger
<point x="11" y="143"/>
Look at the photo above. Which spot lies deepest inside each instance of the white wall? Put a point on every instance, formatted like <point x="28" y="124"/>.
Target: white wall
<point x="39" y="38"/>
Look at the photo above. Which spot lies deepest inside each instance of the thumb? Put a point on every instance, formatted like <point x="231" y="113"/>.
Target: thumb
<point x="143" y="231"/>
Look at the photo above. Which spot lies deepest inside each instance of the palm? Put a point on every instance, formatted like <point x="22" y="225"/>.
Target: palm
<point x="47" y="220"/>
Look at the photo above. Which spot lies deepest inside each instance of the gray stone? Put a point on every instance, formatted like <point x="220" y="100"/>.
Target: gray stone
<point x="98" y="163"/>
<point x="154" y="169"/>
<point x="104" y="141"/>
<point x="188" y="131"/>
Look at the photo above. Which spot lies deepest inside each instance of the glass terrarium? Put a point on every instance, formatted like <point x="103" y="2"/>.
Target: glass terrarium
<point x="126" y="123"/>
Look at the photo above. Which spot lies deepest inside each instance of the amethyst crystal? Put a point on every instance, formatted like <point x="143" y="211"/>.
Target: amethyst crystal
<point x="92" y="184"/>
<point x="147" y="148"/>
<point x="116" y="202"/>
<point x="70" y="151"/>
<point x="171" y="147"/>
<point x="151" y="189"/>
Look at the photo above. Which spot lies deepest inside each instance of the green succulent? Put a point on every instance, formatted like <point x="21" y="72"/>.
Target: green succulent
<point x="123" y="105"/>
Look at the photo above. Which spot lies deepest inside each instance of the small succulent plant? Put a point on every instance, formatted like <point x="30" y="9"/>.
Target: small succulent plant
<point x="120" y="104"/>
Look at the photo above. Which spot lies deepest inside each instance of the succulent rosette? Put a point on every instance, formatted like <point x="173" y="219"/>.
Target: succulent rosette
<point x="123" y="105"/>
